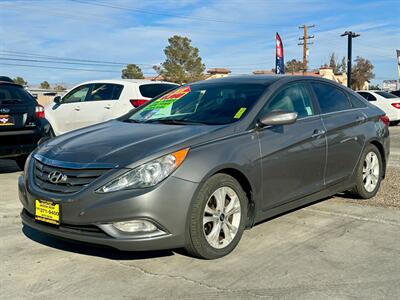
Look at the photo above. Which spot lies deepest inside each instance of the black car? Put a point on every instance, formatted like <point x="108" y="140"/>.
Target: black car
<point x="22" y="122"/>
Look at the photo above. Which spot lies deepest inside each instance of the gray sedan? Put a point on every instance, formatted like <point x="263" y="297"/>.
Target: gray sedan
<point x="195" y="167"/>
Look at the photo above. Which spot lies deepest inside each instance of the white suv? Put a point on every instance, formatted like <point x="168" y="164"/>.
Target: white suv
<point x="100" y="100"/>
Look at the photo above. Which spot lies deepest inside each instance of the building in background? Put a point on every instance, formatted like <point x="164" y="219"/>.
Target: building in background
<point x="390" y="85"/>
<point x="217" y="73"/>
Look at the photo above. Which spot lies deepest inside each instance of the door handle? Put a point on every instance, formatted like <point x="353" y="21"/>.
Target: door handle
<point x="361" y="119"/>
<point x="77" y="108"/>
<point x="108" y="106"/>
<point x="317" y="133"/>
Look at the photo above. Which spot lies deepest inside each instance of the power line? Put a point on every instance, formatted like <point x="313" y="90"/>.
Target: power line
<point x="35" y="55"/>
<point x="70" y="60"/>
<point x="62" y="68"/>
<point x="56" y="62"/>
<point x="144" y="11"/>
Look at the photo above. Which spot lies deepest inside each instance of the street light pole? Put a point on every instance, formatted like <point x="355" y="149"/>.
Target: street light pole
<point x="350" y="36"/>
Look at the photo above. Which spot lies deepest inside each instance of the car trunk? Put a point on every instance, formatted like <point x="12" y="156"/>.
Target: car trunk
<point x="16" y="115"/>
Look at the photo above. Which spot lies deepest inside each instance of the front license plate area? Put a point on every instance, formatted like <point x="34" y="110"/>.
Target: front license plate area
<point x="47" y="211"/>
<point x="6" y="120"/>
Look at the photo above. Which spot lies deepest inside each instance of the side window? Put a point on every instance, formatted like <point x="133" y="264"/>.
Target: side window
<point x="356" y="102"/>
<point x="294" y="98"/>
<point x="330" y="98"/>
<point x="77" y="95"/>
<point x="105" y="91"/>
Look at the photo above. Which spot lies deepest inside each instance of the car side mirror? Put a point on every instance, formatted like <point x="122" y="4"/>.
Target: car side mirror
<point x="277" y="118"/>
<point x="57" y="100"/>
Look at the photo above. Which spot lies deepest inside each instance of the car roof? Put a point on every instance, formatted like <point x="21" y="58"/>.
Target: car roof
<point x="10" y="83"/>
<point x="6" y="79"/>
<point x="125" y="81"/>
<point x="266" y="79"/>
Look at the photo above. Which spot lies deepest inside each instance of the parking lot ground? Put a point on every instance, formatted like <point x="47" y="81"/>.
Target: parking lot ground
<point x="339" y="248"/>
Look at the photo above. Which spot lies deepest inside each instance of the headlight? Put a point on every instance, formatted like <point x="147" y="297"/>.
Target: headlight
<point x="148" y="174"/>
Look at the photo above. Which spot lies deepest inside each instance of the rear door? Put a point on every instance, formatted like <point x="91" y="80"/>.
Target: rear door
<point x="293" y="156"/>
<point x="344" y="126"/>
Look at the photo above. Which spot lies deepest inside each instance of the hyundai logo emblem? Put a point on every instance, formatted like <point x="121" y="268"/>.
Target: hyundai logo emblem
<point x="4" y="110"/>
<point x="57" y="177"/>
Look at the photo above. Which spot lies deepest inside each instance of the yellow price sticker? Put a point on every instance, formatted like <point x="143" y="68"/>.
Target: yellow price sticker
<point x="240" y="112"/>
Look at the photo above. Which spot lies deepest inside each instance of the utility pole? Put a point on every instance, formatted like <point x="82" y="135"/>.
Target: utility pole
<point x="305" y="43"/>
<point x="350" y="36"/>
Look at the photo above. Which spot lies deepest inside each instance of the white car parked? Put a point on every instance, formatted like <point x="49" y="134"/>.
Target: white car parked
<point x="100" y="100"/>
<point x="388" y="102"/>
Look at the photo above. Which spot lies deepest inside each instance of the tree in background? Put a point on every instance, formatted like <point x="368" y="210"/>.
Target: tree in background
<point x="374" y="87"/>
<point x="20" y="80"/>
<point x="361" y="72"/>
<point x="45" y="85"/>
<point x="132" y="71"/>
<point x="183" y="63"/>
<point x="59" y="87"/>
<point x="343" y="66"/>
<point x="293" y="66"/>
<point x="338" y="68"/>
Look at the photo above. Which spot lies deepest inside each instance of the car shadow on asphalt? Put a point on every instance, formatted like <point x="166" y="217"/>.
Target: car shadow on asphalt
<point x="8" y="166"/>
<point x="90" y="250"/>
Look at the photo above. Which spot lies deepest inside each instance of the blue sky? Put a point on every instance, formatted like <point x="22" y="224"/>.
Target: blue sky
<point x="235" y="34"/>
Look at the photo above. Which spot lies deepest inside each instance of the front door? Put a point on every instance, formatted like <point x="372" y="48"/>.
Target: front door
<point x="65" y="115"/>
<point x="293" y="156"/>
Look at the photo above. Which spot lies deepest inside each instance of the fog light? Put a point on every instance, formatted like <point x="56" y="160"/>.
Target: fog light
<point x="135" y="226"/>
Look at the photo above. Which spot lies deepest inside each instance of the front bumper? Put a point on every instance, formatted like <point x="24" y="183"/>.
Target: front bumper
<point x="84" y="215"/>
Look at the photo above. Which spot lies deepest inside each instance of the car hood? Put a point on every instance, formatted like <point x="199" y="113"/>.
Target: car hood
<point x="121" y="144"/>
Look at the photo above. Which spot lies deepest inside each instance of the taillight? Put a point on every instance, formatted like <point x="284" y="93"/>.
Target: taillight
<point x="39" y="111"/>
<point x="396" y="105"/>
<point x="385" y="120"/>
<point x="138" y="102"/>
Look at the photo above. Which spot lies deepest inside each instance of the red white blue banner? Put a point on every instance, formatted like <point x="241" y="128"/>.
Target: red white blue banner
<point x="279" y="63"/>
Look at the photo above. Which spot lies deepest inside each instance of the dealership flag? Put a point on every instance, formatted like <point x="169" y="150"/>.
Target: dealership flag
<point x="398" y="62"/>
<point x="279" y="64"/>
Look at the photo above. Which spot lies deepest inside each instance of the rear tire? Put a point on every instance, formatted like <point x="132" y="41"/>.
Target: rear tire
<point x="217" y="218"/>
<point x="394" y="123"/>
<point x="369" y="172"/>
<point x="20" y="160"/>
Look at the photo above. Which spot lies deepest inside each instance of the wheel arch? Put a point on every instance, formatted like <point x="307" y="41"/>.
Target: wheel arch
<point x="247" y="188"/>
<point x="381" y="150"/>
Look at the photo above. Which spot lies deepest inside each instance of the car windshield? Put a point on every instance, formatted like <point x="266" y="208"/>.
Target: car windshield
<point x="205" y="103"/>
<point x="386" y="95"/>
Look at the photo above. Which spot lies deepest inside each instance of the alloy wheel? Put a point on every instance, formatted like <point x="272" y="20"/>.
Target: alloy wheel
<point x="221" y="218"/>
<point x="371" y="172"/>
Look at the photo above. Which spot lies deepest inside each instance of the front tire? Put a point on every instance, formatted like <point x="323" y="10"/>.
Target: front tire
<point x="217" y="218"/>
<point x="369" y="173"/>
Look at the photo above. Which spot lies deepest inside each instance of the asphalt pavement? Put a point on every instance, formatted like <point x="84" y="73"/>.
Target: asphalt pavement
<point x="339" y="248"/>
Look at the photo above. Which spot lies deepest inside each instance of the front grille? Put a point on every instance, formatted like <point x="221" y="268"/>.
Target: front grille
<point x="76" y="179"/>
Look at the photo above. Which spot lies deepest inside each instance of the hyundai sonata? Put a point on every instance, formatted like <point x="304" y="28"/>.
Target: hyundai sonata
<point x="197" y="166"/>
